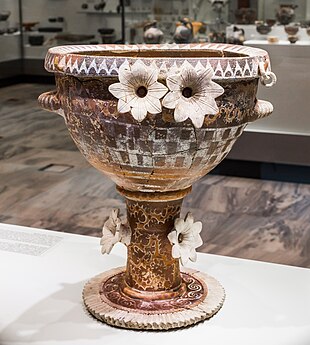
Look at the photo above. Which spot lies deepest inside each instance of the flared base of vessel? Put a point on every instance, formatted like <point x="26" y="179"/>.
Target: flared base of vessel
<point x="199" y="297"/>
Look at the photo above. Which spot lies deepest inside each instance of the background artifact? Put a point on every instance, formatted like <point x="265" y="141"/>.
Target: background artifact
<point x="183" y="32"/>
<point x="286" y="13"/>
<point x="152" y="35"/>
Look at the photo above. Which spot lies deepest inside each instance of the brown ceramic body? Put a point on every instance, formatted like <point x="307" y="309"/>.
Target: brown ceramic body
<point x="154" y="162"/>
<point x="157" y="154"/>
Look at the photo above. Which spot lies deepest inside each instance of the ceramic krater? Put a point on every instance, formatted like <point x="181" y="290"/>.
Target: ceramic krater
<point x="155" y="119"/>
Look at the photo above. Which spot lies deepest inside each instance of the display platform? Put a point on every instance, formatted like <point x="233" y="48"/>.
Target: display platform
<point x="43" y="274"/>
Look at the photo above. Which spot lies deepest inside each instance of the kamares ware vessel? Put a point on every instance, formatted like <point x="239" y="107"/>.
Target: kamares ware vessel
<point x="155" y="119"/>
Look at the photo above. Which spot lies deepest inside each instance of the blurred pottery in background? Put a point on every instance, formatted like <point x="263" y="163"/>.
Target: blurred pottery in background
<point x="36" y="40"/>
<point x="286" y="13"/>
<point x="273" y="39"/>
<point x="291" y="29"/>
<point x="270" y="22"/>
<point x="100" y="6"/>
<point x="107" y="35"/>
<point x="237" y="36"/>
<point x="28" y="26"/>
<point x="183" y="32"/>
<point x="245" y="15"/>
<point x="292" y="38"/>
<point x="305" y="23"/>
<point x="196" y="27"/>
<point x="4" y="15"/>
<point x="152" y="35"/>
<point x="263" y="28"/>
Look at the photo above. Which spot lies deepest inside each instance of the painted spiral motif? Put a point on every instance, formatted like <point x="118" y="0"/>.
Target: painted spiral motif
<point x="194" y="294"/>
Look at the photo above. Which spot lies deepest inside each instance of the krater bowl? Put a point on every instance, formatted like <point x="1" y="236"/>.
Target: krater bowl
<point x="155" y="118"/>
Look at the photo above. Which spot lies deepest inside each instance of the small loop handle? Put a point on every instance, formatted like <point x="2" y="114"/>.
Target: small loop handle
<point x="267" y="78"/>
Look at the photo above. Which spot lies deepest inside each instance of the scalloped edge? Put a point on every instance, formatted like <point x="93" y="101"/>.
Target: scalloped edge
<point x="107" y="313"/>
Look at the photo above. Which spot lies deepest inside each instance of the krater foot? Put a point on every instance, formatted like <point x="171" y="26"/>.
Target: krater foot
<point x="201" y="297"/>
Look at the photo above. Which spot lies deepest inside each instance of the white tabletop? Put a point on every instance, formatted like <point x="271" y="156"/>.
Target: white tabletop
<point x="40" y="296"/>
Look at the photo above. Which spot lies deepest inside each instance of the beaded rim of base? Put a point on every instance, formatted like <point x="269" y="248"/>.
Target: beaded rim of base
<point x="158" y="321"/>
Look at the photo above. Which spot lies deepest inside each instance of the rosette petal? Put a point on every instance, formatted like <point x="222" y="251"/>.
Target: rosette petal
<point x="199" y="98"/>
<point x="138" y="90"/>
<point x="185" y="238"/>
<point x="113" y="231"/>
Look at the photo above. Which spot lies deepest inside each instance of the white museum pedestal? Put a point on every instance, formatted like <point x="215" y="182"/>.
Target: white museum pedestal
<point x="43" y="274"/>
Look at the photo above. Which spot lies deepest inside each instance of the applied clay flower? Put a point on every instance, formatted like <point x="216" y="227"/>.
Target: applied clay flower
<point x="138" y="91"/>
<point x="113" y="231"/>
<point x="185" y="238"/>
<point x="192" y="94"/>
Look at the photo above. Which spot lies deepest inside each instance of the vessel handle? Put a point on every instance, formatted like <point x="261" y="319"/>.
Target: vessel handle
<point x="262" y="109"/>
<point x="267" y="78"/>
<point x="49" y="101"/>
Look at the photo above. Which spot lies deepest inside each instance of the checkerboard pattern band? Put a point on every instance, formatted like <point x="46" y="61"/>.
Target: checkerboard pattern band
<point x="160" y="158"/>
